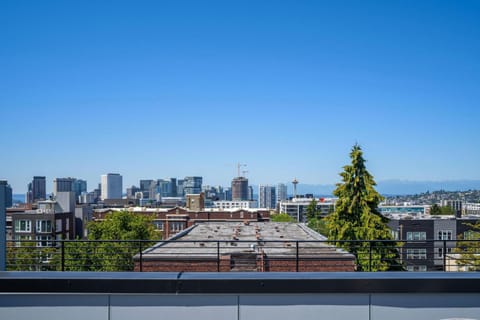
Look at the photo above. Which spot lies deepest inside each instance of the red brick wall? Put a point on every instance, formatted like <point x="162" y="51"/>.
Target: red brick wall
<point x="178" y="265"/>
<point x="310" y="265"/>
<point x="270" y="265"/>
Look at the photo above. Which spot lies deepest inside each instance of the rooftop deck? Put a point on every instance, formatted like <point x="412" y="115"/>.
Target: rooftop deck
<point x="238" y="296"/>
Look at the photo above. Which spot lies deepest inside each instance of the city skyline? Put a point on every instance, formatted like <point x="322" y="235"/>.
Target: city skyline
<point x="157" y="90"/>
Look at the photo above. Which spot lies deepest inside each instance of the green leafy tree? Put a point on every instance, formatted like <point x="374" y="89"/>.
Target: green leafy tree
<point x="356" y="217"/>
<point x="311" y="210"/>
<point x="435" y="210"/>
<point x="469" y="249"/>
<point x="441" y="210"/>
<point x="281" y="217"/>
<point x="319" y="225"/>
<point x="26" y="256"/>
<point x="103" y="252"/>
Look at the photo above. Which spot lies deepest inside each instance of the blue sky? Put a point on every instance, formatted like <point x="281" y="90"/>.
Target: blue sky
<point x="153" y="89"/>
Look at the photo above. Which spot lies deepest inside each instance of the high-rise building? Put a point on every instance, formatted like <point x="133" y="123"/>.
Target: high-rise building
<point x="112" y="186"/>
<point x="165" y="187"/>
<point x="79" y="187"/>
<point x="250" y="193"/>
<point x="180" y="191"/>
<point x="173" y="183"/>
<point x="192" y="185"/>
<point x="146" y="187"/>
<point x="7" y="192"/>
<point x="228" y="194"/>
<point x="266" y="197"/>
<point x="132" y="191"/>
<point x="281" y="192"/>
<point x="239" y="189"/>
<point x="62" y="185"/>
<point x="37" y="190"/>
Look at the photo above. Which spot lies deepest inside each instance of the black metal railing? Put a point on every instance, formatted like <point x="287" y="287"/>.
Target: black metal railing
<point x="238" y="255"/>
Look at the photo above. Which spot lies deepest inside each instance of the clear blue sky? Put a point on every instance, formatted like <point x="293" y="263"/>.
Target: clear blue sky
<point x="153" y="89"/>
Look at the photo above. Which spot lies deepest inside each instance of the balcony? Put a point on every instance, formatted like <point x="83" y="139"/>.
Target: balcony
<point x="332" y="295"/>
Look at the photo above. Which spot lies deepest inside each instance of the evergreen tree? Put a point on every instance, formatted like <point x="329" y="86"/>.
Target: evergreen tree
<point x="356" y="217"/>
<point x="311" y="210"/>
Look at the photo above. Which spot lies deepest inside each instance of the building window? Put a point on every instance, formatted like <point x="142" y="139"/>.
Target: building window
<point x="394" y="235"/>
<point x="176" y="226"/>
<point x="23" y="226"/>
<point x="21" y="238"/>
<point x="44" y="241"/>
<point x="421" y="268"/>
<point x="158" y="225"/>
<point x="440" y="252"/>
<point x="420" y="254"/>
<point x="416" y="235"/>
<point x="445" y="235"/>
<point x="44" y="226"/>
<point x="58" y="227"/>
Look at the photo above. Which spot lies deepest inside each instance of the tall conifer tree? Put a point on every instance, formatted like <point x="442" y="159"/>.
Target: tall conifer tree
<point x="356" y="217"/>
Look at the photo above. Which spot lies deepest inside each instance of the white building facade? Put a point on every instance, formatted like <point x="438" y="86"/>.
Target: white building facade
<point x="112" y="186"/>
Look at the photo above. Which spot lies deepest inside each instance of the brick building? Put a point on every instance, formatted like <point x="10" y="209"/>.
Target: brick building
<point x="245" y="246"/>
<point x="171" y="221"/>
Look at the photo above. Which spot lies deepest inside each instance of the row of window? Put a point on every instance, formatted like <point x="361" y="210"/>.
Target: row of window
<point x="421" y="268"/>
<point x="41" y="241"/>
<point x="421" y="253"/>
<point x="175" y="226"/>
<point x="421" y="235"/>
<point x="41" y="226"/>
<point x="417" y="253"/>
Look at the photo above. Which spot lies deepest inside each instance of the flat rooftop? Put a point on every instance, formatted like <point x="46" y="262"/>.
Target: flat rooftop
<point x="273" y="238"/>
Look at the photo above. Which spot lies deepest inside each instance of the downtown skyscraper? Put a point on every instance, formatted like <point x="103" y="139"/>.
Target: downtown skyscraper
<point x="267" y="197"/>
<point x="37" y="189"/>
<point x="111" y="186"/>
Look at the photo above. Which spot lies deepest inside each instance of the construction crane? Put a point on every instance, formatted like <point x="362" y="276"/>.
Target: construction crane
<point x="239" y="166"/>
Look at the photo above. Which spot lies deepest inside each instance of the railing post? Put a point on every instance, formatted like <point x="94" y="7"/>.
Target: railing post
<point x="444" y="255"/>
<point x="63" y="255"/>
<point x="218" y="256"/>
<point x="296" y="257"/>
<point x="141" y="256"/>
<point x="370" y="256"/>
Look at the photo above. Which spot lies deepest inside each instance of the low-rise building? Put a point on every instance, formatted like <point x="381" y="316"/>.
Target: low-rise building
<point x="246" y="204"/>
<point x="245" y="246"/>
<point x="415" y="210"/>
<point x="170" y="221"/>
<point x="429" y="238"/>
<point x="44" y="225"/>
<point x="297" y="207"/>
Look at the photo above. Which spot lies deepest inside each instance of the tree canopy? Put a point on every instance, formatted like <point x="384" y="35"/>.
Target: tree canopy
<point x="311" y="210"/>
<point x="281" y="217"/>
<point x="469" y="249"/>
<point x="122" y="225"/>
<point x="441" y="210"/>
<point x="110" y="255"/>
<point x="356" y="218"/>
